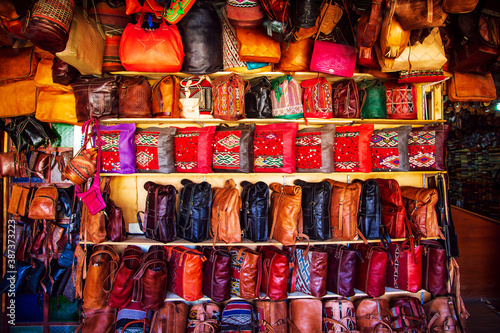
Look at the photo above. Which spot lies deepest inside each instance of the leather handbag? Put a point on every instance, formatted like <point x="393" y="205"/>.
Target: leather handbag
<point x="333" y="58"/>
<point x="441" y="315"/>
<point x="233" y="148"/>
<point x="246" y="272"/>
<point x="420" y="204"/>
<point x="123" y="286"/>
<point x="392" y="41"/>
<point x="258" y="98"/>
<point x="255" y="211"/>
<point x="368" y="30"/>
<point x="19" y="200"/>
<point x="473" y="57"/>
<point x="35" y="277"/>
<point x="83" y="165"/>
<point x="134" y="97"/>
<point x="245" y="13"/>
<point x="193" y="215"/>
<point x="18" y="98"/>
<point x="303" y="13"/>
<point x="96" y="97"/>
<point x="49" y="24"/>
<point x="115" y="223"/>
<point x="43" y="204"/>
<point x="393" y="210"/>
<point x="185" y="272"/>
<point x="146" y="6"/>
<point x="196" y="100"/>
<point x="62" y="72"/>
<point x="165" y="97"/>
<point x="13" y="164"/>
<point x="151" y="56"/>
<point x="278" y="23"/>
<point x="93" y="226"/>
<point x="434" y="268"/>
<point x="373" y="99"/>
<point x="316" y="198"/>
<point x="305" y="315"/>
<point x="371" y="269"/>
<point x="316" y="97"/>
<point x="256" y="46"/>
<point x="151" y="279"/>
<point x="286" y="98"/>
<point x="404" y="270"/>
<point x="98" y="320"/>
<point x="285" y="213"/>
<point x="100" y="276"/>
<point x="56" y="108"/>
<point x="201" y="33"/>
<point x="344" y="210"/>
<point x="342" y="262"/>
<point x="345" y="100"/>
<point x="154" y="147"/>
<point x="237" y="316"/>
<point x="226" y="205"/>
<point x="310" y="270"/>
<point x="17" y="64"/>
<point x="159" y="214"/>
<point x="420" y="13"/>
<point x="171" y="317"/>
<point x="228" y="95"/>
<point x="370" y="211"/>
<point x="339" y="315"/>
<point x="373" y="315"/>
<point x="408" y="315"/>
<point x="39" y="163"/>
<point x="460" y="6"/>
<point x="471" y="87"/>
<point x="19" y="276"/>
<point x="271" y="316"/>
<point x="217" y="274"/>
<point x="295" y="56"/>
<point x="276" y="265"/>
<point x="204" y="317"/>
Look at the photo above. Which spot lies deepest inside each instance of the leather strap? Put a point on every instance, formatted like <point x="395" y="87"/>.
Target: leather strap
<point x="337" y="325"/>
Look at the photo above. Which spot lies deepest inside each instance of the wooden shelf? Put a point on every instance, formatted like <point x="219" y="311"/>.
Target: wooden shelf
<point x="226" y="175"/>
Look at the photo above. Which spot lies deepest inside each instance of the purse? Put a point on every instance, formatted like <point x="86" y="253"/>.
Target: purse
<point x="97" y="320"/>
<point x="151" y="279"/>
<point x="185" y="267"/>
<point x="217" y="274"/>
<point x="233" y="148"/>
<point x="441" y="315"/>
<point x="408" y="315"/>
<point x="140" y="52"/>
<point x="228" y="95"/>
<point x="154" y="148"/>
<point x="286" y="213"/>
<point x="352" y="148"/>
<point x="339" y="313"/>
<point x="34" y="277"/>
<point x="43" y="204"/>
<point x="84" y="164"/>
<point x="368" y="30"/>
<point x="254" y="211"/>
<point x="134" y="97"/>
<point x="401" y="100"/>
<point x="96" y="97"/>
<point x="316" y="97"/>
<point x="371" y="269"/>
<point x="118" y="148"/>
<point x="246" y="272"/>
<point x="427" y="147"/>
<point x="286" y="98"/>
<point x="165" y="97"/>
<point x="434" y="268"/>
<point x="310" y="266"/>
<point x="258" y="98"/>
<point x="333" y="58"/>
<point x="171" y="317"/>
<point x="373" y="315"/>
<point x="419" y="14"/>
<point x="316" y="199"/>
<point x="471" y="87"/>
<point x="404" y="270"/>
<point x="193" y="215"/>
<point x="123" y="287"/>
<point x="345" y="99"/>
<point x="196" y="99"/>
<point x="276" y="266"/>
<point x="115" y="223"/>
<point x="271" y="316"/>
<point x="18" y="98"/>
<point x="62" y="72"/>
<point x="314" y="149"/>
<point x="393" y="40"/>
<point x="18" y="64"/>
<point x="370" y="212"/>
<point x="389" y="149"/>
<point x="256" y="46"/>
<point x="226" y="205"/>
<point x="13" y="164"/>
<point x="53" y="107"/>
<point x="245" y="14"/>
<point x="373" y="99"/>
<point x="420" y="204"/>
<point x="342" y="262"/>
<point x="295" y="56"/>
<point x="344" y="210"/>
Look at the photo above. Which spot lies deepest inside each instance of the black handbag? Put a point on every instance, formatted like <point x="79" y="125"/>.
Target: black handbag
<point x="159" y="215"/>
<point x="255" y="211"/>
<point x="58" y="278"/>
<point x="303" y="13"/>
<point x="193" y="215"/>
<point x="201" y="33"/>
<point x="258" y="99"/>
<point x="34" y="277"/>
<point x="19" y="275"/>
<point x="28" y="132"/>
<point x="316" y="198"/>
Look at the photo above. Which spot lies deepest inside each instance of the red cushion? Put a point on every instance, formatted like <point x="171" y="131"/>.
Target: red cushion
<point x="352" y="148"/>
<point x="193" y="149"/>
<point x="274" y="148"/>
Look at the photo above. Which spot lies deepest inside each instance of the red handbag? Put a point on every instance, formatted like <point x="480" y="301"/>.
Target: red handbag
<point x="393" y="210"/>
<point x="160" y="50"/>
<point x="317" y="98"/>
<point x="276" y="266"/>
<point x="371" y="270"/>
<point x="404" y="271"/>
<point x="148" y="6"/>
<point x="185" y="272"/>
<point x="123" y="288"/>
<point x="401" y="100"/>
<point x="434" y="268"/>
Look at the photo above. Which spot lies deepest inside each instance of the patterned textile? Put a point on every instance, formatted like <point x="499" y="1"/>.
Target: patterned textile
<point x="401" y="101"/>
<point x="230" y="55"/>
<point x="422" y="149"/>
<point x="226" y="153"/>
<point x="303" y="271"/>
<point x="146" y="144"/>
<point x="350" y="324"/>
<point x="198" y="92"/>
<point x="308" y="150"/>
<point x="228" y="94"/>
<point x="235" y="271"/>
<point x="186" y="151"/>
<point x="268" y="149"/>
<point x="110" y="152"/>
<point x="384" y="149"/>
<point x="317" y="98"/>
<point x="237" y="317"/>
<point x="286" y="98"/>
<point x="352" y="148"/>
<point x="125" y="316"/>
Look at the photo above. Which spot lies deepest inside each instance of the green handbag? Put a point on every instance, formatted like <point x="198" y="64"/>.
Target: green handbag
<point x="372" y="95"/>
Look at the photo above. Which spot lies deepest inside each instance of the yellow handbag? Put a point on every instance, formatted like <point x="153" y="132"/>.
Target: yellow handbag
<point x="56" y="107"/>
<point x="17" y="98"/>
<point x="255" y="46"/>
<point x="393" y="40"/>
<point x="43" y="77"/>
<point x="295" y="57"/>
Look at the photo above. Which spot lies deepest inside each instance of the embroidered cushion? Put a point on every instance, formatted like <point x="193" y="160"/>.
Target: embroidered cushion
<point x="286" y="98"/>
<point x="427" y="148"/>
<point x="233" y="148"/>
<point x="274" y="148"/>
<point x="314" y="149"/>
<point x="193" y="149"/>
<point x="352" y="148"/>
<point x="118" y="150"/>
<point x="155" y="149"/>
<point x="389" y="149"/>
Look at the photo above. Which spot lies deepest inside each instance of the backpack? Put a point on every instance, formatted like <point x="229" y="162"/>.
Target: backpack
<point x="194" y="211"/>
<point x="225" y="222"/>
<point x="316" y="198"/>
<point x="196" y="97"/>
<point x="255" y="211"/>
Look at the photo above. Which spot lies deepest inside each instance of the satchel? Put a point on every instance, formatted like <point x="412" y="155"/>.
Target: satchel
<point x="247" y="13"/>
<point x="373" y="99"/>
<point x="165" y="97"/>
<point x="371" y="269"/>
<point x="18" y="98"/>
<point x="373" y="315"/>
<point x="19" y="200"/>
<point x="137" y="55"/>
<point x="471" y="87"/>
<point x="254" y="211"/>
<point x="150" y="280"/>
<point x="83" y="165"/>
<point x="193" y="215"/>
<point x="316" y="96"/>
<point x="13" y="164"/>
<point x="154" y="148"/>
<point x="441" y="315"/>
<point x="342" y="261"/>
<point x="256" y="46"/>
<point x="286" y="213"/>
<point x="233" y="148"/>
<point x="345" y="100"/>
<point x="246" y="272"/>
<point x="434" y="268"/>
<point x="49" y="23"/>
<point x="276" y="265"/>
<point x="420" y="203"/>
<point x="185" y="272"/>
<point x="305" y="315"/>
<point x="204" y="317"/>
<point x="226" y="205"/>
<point x="159" y="214"/>
<point x="295" y="56"/>
<point x="96" y="97"/>
<point x="237" y="316"/>
<point x="316" y="199"/>
<point x="123" y="287"/>
<point x="115" y="223"/>
<point x="43" y="204"/>
<point x="418" y="14"/>
<point x="18" y="64"/>
<point x="134" y="97"/>
<point x="344" y="210"/>
<point x="408" y="315"/>
<point x="228" y="94"/>
<point x="401" y="100"/>
<point x="333" y="58"/>
<point x="171" y="317"/>
<point x="196" y="99"/>
<point x="404" y="270"/>
<point x="98" y="320"/>
<point x="310" y="266"/>
<point x="271" y="316"/>
<point x="286" y="98"/>
<point x="339" y="313"/>
<point x="393" y="210"/>
<point x="217" y="274"/>
<point x="460" y="6"/>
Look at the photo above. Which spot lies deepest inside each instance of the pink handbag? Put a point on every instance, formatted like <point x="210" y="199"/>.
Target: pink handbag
<point x="333" y="58"/>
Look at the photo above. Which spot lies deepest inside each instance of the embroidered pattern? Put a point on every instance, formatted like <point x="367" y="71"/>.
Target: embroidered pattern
<point x="308" y="150"/>
<point x="422" y="149"/>
<point x="226" y="151"/>
<point x="237" y="317"/>
<point x="400" y="100"/>
<point x="268" y="149"/>
<point x="346" y="151"/>
<point x="146" y="144"/>
<point x="186" y="151"/>
<point x="385" y="150"/>
<point x="235" y="272"/>
<point x="303" y="271"/>
<point x="110" y="151"/>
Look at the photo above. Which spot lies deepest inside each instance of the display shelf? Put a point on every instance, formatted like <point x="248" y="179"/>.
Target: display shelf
<point x="270" y="174"/>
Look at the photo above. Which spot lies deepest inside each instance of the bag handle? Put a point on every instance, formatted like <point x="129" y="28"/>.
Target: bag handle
<point x="336" y="322"/>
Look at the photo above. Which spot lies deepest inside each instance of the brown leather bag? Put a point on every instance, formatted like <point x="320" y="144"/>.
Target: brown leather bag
<point x="19" y="199"/>
<point x="225" y="220"/>
<point x="134" y="97"/>
<point x="271" y="316"/>
<point x="459" y="6"/>
<point x="286" y="213"/>
<point x="150" y="281"/>
<point x="246" y="268"/>
<point x="171" y="317"/>
<point x="368" y="29"/>
<point x="419" y="14"/>
<point x="345" y="100"/>
<point x="305" y="315"/>
<point x="344" y="210"/>
<point x="100" y="276"/>
<point x="13" y="164"/>
<point x="17" y="64"/>
<point x="373" y="315"/>
<point x="98" y="320"/>
<point x="93" y="227"/>
<point x="420" y="205"/>
<point x="465" y="87"/>
<point x="392" y="42"/>
<point x="165" y="97"/>
<point x="43" y="204"/>
<point x="441" y="315"/>
<point x="296" y="56"/>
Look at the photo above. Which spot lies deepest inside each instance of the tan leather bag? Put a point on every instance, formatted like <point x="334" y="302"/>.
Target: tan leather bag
<point x="256" y="46"/>
<point x="171" y="317"/>
<point x="373" y="315"/>
<point x="225" y="220"/>
<point x="420" y="204"/>
<point x="271" y="316"/>
<point x="464" y="87"/>
<point x="393" y="40"/>
<point x="344" y="210"/>
<point x="339" y="315"/>
<point x="286" y="213"/>
<point x="18" y="203"/>
<point x="98" y="320"/>
<point x="246" y="268"/>
<point x="441" y="315"/>
<point x="43" y="77"/>
<point x="18" y="98"/>
<point x="100" y="276"/>
<point x="419" y="14"/>
<point x="305" y="315"/>
<point x="93" y="228"/>
<point x="296" y="56"/>
<point x="166" y="97"/>
<point x="43" y="204"/>
<point x="17" y="64"/>
<point x="57" y="107"/>
<point x="134" y="97"/>
<point x="459" y="6"/>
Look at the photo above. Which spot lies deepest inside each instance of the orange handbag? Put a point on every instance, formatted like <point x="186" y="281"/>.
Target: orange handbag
<point x="226" y="205"/>
<point x="256" y="46"/>
<point x="159" y="50"/>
